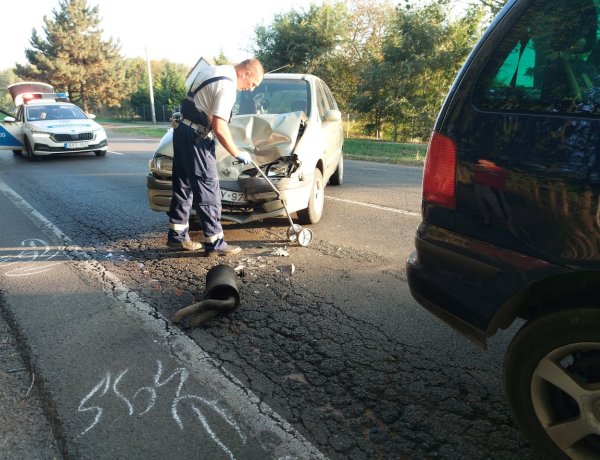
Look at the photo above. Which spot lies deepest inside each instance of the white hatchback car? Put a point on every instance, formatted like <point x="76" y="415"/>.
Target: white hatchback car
<point x="292" y="127"/>
<point x="44" y="123"/>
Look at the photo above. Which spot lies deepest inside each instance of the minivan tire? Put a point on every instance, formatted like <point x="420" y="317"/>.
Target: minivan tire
<point x="563" y="348"/>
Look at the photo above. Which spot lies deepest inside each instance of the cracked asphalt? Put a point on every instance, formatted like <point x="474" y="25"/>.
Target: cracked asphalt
<point x="336" y="346"/>
<point x="344" y="377"/>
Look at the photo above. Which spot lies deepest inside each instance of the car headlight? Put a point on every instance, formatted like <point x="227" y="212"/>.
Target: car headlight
<point x="161" y="166"/>
<point x="40" y="131"/>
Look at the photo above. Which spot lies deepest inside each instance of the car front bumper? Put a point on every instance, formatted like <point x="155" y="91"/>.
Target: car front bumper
<point x="260" y="200"/>
<point x="44" y="149"/>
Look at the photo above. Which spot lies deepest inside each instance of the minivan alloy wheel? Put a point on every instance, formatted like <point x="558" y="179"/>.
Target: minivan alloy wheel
<point x="552" y="379"/>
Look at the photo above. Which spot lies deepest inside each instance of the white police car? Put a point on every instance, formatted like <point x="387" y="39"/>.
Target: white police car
<point x="44" y="123"/>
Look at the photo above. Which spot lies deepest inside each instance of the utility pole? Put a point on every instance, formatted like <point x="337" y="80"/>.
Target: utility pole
<point x="150" y="90"/>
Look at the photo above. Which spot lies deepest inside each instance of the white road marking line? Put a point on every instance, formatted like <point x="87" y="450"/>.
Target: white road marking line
<point x="375" y="206"/>
<point x="115" y="153"/>
<point x="257" y="415"/>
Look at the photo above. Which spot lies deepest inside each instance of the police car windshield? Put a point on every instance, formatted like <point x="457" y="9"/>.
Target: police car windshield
<point x="274" y="97"/>
<point x="54" y="112"/>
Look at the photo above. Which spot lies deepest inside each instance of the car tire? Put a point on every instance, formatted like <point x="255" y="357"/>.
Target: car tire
<point x="552" y="380"/>
<point x="312" y="214"/>
<point x="338" y="176"/>
<point x="17" y="152"/>
<point x="100" y="153"/>
<point x="29" y="151"/>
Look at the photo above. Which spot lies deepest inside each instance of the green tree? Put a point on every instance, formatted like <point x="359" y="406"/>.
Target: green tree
<point x="422" y="52"/>
<point x="7" y="78"/>
<point x="221" y="59"/>
<point x="301" y="40"/>
<point x="170" y="85"/>
<point x="73" y="57"/>
<point x="492" y="5"/>
<point x="332" y="41"/>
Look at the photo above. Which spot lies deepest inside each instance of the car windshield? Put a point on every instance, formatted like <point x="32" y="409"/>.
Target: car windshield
<point x="274" y="97"/>
<point x="55" y="112"/>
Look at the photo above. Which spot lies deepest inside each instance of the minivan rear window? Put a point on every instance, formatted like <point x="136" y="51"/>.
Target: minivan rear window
<point x="549" y="62"/>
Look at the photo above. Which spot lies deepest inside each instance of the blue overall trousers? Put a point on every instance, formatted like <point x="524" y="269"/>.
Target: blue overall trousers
<point x="195" y="179"/>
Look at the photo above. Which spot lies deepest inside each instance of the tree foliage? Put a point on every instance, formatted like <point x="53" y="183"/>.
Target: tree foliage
<point x="73" y="57"/>
<point x="7" y="78"/>
<point x="388" y="62"/>
<point x="391" y="64"/>
<point x="422" y="52"/>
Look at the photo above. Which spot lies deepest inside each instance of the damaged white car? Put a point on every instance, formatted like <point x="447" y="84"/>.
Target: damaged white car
<point x="292" y="126"/>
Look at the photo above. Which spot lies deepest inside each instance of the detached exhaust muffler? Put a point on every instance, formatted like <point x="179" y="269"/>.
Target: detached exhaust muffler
<point x="222" y="293"/>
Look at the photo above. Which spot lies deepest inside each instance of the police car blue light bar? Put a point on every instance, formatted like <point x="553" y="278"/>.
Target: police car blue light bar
<point x="28" y="97"/>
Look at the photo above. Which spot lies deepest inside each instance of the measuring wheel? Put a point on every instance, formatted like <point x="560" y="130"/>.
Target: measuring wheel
<point x="301" y="235"/>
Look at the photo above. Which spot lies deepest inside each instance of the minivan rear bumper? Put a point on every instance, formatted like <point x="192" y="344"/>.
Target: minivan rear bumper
<point x="440" y="298"/>
<point x="469" y="284"/>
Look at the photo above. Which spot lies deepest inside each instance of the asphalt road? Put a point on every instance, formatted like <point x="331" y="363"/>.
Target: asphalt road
<point x="327" y="355"/>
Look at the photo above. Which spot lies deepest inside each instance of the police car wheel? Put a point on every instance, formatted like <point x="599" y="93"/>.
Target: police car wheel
<point x="100" y="153"/>
<point x="29" y="151"/>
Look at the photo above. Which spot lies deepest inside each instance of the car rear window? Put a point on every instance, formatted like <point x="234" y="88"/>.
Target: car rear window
<point x="549" y="62"/>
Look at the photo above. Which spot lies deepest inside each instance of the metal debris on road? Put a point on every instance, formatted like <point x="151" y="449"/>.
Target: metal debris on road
<point x="281" y="252"/>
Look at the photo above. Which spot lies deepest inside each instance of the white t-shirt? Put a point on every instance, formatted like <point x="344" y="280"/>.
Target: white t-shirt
<point x="216" y="98"/>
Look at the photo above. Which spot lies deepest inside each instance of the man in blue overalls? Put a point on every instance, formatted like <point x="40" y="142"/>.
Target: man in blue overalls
<point x="205" y="114"/>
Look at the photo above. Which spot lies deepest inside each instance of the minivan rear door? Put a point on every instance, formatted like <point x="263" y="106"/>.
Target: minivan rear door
<point x="528" y="143"/>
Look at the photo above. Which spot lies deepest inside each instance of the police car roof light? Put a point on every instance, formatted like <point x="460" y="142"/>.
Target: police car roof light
<point x="27" y="97"/>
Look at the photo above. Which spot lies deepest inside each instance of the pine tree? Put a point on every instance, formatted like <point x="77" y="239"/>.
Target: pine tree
<point x="73" y="57"/>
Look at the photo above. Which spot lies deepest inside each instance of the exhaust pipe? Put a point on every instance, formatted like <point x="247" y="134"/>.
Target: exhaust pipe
<point x="222" y="293"/>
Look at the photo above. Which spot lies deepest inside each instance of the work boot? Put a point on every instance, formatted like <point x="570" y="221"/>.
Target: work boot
<point x="220" y="248"/>
<point x="184" y="245"/>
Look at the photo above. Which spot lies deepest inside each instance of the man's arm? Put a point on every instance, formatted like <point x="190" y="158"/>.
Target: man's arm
<point x="221" y="129"/>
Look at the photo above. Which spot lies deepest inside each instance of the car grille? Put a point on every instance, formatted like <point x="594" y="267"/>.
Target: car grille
<point x="72" y="137"/>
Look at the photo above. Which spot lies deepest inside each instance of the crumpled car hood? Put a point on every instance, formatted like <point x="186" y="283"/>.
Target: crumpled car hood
<point x="268" y="137"/>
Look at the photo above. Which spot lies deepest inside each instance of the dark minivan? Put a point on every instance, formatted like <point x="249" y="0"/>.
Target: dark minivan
<point x="511" y="215"/>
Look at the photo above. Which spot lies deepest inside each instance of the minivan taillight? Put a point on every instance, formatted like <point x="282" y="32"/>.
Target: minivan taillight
<point x="440" y="171"/>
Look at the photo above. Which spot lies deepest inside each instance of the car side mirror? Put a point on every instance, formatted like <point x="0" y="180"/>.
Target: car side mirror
<point x="91" y="115"/>
<point x="9" y="119"/>
<point x="333" y="115"/>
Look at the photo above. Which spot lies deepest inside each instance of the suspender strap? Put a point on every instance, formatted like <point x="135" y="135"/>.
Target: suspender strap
<point x="188" y="106"/>
<point x="191" y="93"/>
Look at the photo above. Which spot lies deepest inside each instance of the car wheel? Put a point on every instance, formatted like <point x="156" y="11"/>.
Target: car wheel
<point x="17" y="152"/>
<point x="338" y="176"/>
<point x="552" y="380"/>
<point x="312" y="214"/>
<point x="29" y="151"/>
<point x="100" y="153"/>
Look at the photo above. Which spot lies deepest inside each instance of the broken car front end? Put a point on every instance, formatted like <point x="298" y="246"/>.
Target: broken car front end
<point x="246" y="196"/>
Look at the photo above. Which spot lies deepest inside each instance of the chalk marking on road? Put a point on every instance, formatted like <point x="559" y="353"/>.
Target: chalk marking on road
<point x="258" y="417"/>
<point x="375" y="206"/>
<point x="37" y="250"/>
<point x="178" y="399"/>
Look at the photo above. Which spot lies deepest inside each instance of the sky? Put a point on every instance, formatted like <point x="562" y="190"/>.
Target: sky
<point x="180" y="31"/>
